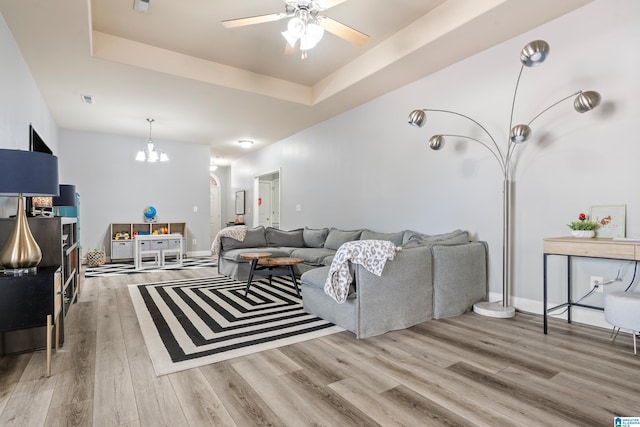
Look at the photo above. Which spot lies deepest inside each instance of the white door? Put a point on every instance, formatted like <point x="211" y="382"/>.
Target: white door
<point x="275" y="203"/>
<point x="264" y="204"/>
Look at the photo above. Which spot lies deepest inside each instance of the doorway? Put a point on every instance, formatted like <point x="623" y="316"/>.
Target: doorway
<point x="266" y="204"/>
<point x="214" y="206"/>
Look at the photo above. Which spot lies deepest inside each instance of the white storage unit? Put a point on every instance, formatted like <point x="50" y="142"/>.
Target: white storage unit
<point x="122" y="246"/>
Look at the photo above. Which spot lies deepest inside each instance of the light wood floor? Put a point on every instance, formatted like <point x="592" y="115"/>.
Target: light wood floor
<point x="468" y="370"/>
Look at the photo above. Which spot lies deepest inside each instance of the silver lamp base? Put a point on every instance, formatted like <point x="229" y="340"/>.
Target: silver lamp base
<point x="493" y="309"/>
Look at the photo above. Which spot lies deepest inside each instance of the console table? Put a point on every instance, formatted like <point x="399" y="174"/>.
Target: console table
<point x="30" y="301"/>
<point x="588" y="248"/>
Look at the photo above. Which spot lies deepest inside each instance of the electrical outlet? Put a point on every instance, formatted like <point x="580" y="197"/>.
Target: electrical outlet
<point x="595" y="280"/>
<point x="194" y="242"/>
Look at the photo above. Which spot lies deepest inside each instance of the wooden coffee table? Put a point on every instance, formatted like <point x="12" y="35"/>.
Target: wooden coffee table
<point x="263" y="265"/>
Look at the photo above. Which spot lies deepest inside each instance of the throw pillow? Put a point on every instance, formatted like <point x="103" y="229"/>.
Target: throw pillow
<point x="292" y="238"/>
<point x="336" y="238"/>
<point x="314" y="238"/>
<point x="395" y="238"/>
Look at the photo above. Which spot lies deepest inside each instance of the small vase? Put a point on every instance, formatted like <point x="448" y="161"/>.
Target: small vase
<point x="585" y="234"/>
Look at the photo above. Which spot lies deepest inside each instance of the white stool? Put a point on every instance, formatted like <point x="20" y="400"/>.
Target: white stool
<point x="622" y="310"/>
<point x="177" y="252"/>
<point x="154" y="253"/>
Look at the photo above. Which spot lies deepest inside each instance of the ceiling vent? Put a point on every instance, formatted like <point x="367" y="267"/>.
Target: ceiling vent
<point x="143" y="6"/>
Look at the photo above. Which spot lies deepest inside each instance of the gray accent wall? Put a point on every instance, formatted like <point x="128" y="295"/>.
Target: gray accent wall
<point x="368" y="168"/>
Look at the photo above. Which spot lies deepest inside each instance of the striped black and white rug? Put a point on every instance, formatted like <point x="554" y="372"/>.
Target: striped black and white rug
<point x="118" y="269"/>
<point x="193" y="322"/>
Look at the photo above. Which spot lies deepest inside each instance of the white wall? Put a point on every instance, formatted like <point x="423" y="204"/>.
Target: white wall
<point x="113" y="187"/>
<point x="368" y="168"/>
<point x="21" y="103"/>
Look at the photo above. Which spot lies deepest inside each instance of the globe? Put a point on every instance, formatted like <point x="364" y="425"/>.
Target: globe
<point x="150" y="212"/>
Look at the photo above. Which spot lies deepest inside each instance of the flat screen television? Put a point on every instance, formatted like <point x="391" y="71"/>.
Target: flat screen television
<point x="36" y="143"/>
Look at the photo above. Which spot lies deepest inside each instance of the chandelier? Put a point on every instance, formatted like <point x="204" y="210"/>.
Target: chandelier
<point x="149" y="153"/>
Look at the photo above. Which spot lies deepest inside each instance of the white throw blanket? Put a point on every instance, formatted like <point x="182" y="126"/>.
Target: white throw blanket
<point x="371" y="254"/>
<point x="237" y="232"/>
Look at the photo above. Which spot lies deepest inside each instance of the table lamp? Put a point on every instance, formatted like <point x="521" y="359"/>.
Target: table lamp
<point x="67" y="197"/>
<point x="25" y="173"/>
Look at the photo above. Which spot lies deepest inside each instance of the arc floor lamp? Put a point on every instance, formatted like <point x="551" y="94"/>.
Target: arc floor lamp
<point x="532" y="54"/>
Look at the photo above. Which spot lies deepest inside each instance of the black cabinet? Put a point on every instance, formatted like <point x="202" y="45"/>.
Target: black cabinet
<point x="24" y="299"/>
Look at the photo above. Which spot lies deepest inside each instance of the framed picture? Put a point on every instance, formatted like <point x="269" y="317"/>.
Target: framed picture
<point x="611" y="219"/>
<point x="240" y="202"/>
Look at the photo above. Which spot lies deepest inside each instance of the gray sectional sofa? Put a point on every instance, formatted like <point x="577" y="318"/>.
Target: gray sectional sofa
<point x="430" y="277"/>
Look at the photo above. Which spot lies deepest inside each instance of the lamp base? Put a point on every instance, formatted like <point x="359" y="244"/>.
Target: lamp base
<point x="493" y="309"/>
<point x="19" y="271"/>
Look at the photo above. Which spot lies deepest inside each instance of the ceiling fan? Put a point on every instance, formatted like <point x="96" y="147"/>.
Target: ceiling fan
<point x="306" y="26"/>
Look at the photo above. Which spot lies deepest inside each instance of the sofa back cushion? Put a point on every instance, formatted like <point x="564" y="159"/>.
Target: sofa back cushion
<point x="336" y="238"/>
<point x="395" y="238"/>
<point x="291" y="239"/>
<point x="454" y="237"/>
<point x="314" y="238"/>
<point x="255" y="238"/>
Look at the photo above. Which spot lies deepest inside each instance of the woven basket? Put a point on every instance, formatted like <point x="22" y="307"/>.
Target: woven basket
<point x="95" y="258"/>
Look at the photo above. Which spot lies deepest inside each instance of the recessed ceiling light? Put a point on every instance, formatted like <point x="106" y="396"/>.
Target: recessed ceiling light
<point x="143" y="6"/>
<point x="87" y="99"/>
<point x="245" y="143"/>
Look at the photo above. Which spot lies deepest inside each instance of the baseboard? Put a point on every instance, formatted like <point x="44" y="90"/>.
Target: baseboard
<point x="198" y="253"/>
<point x="578" y="314"/>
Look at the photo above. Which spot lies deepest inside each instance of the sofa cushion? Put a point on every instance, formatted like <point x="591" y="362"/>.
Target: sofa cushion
<point x="255" y="238"/>
<point x="292" y="238"/>
<point x="313" y="256"/>
<point x="337" y="238"/>
<point x="234" y="254"/>
<point x="317" y="277"/>
<point x="314" y="238"/>
<point x="395" y="238"/>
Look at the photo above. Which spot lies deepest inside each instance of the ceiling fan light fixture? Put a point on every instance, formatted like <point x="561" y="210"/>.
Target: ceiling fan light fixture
<point x="307" y="43"/>
<point x="315" y="31"/>
<point x="290" y="38"/>
<point x="296" y="27"/>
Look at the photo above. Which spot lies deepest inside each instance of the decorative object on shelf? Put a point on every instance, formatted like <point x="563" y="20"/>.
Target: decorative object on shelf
<point x="532" y="54"/>
<point x="150" y="214"/>
<point x="96" y="257"/>
<point x="610" y="219"/>
<point x="39" y="204"/>
<point x="306" y="26"/>
<point x="583" y="228"/>
<point x="25" y="173"/>
<point x="149" y="153"/>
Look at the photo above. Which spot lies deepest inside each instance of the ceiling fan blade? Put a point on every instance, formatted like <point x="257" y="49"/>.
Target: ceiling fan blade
<point x="231" y="23"/>
<point x="343" y="31"/>
<point x="288" y="50"/>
